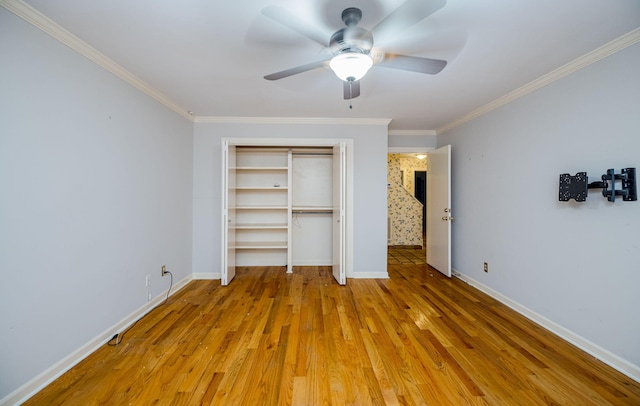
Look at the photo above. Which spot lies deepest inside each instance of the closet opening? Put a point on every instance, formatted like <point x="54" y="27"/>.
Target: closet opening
<point x="286" y="204"/>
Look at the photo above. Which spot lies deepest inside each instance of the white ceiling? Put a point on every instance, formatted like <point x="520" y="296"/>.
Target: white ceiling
<point x="210" y="56"/>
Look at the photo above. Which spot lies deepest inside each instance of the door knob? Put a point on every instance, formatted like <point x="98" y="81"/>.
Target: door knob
<point x="447" y="218"/>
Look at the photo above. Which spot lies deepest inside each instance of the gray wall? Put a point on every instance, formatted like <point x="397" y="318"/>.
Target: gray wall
<point x="96" y="183"/>
<point x="408" y="141"/>
<point x="370" y="192"/>
<point x="577" y="264"/>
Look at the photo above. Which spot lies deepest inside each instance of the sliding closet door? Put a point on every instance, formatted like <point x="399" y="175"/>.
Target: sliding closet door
<point x="339" y="223"/>
<point x="228" y="268"/>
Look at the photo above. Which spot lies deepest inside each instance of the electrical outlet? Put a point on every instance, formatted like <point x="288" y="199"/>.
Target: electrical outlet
<point x="486" y="267"/>
<point x="164" y="270"/>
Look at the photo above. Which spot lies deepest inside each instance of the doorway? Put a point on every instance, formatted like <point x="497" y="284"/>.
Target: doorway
<point x="439" y="214"/>
<point x="406" y="196"/>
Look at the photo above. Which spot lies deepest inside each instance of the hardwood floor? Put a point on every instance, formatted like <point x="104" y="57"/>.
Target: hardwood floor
<point x="276" y="339"/>
<point x="397" y="254"/>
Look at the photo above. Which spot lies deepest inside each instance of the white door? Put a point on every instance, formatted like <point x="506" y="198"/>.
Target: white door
<point x="228" y="267"/>
<point x="339" y="223"/>
<point x="439" y="214"/>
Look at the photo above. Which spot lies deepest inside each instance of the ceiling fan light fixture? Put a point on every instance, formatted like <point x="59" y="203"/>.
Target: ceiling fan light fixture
<point x="351" y="66"/>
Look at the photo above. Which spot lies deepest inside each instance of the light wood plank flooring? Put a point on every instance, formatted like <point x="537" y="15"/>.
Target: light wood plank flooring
<point x="276" y="339"/>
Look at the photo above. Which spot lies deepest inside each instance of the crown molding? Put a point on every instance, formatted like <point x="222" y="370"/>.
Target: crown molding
<point x="604" y="51"/>
<point x="291" y="120"/>
<point x="40" y="21"/>
<point x="412" y="132"/>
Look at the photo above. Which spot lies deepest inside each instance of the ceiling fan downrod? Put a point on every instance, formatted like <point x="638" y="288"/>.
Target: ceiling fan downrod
<point x="351" y="16"/>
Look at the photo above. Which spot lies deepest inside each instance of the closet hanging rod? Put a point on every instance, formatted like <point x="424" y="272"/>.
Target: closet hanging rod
<point x="312" y="212"/>
<point x="313" y="153"/>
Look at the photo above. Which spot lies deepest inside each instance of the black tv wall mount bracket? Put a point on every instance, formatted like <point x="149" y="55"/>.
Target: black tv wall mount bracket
<point x="576" y="187"/>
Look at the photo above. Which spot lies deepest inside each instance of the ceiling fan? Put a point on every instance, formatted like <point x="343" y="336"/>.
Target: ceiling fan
<point x="351" y="47"/>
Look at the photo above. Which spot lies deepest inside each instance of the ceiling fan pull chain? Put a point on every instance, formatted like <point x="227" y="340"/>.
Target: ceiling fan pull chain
<point x="350" y="94"/>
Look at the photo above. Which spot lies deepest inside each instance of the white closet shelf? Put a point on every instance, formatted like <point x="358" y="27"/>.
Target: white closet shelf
<point x="262" y="207"/>
<point x="257" y="226"/>
<point x="262" y="168"/>
<point x="311" y="208"/>
<point x="262" y="188"/>
<point x="261" y="245"/>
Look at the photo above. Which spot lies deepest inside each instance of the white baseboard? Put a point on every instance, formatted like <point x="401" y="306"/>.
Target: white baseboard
<point x="614" y="361"/>
<point x="207" y="275"/>
<point x="39" y="382"/>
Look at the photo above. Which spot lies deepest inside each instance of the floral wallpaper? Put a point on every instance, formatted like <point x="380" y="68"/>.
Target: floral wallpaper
<point x="404" y="210"/>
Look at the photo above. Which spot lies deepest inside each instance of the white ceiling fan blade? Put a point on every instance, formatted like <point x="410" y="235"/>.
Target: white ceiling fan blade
<point x="289" y="20"/>
<point x="413" y="63"/>
<point x="405" y="16"/>
<point x="294" y="71"/>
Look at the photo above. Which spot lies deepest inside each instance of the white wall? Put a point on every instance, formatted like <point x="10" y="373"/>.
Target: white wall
<point x="370" y="192"/>
<point x="96" y="186"/>
<point x="577" y="264"/>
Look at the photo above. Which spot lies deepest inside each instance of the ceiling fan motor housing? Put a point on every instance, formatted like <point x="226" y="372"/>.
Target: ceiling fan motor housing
<point x="351" y="39"/>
